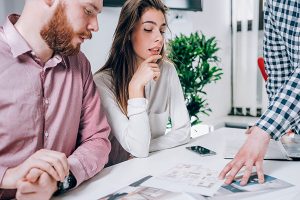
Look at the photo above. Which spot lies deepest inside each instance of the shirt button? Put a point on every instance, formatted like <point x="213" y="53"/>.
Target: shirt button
<point x="46" y="101"/>
<point x="57" y="58"/>
<point x="46" y="134"/>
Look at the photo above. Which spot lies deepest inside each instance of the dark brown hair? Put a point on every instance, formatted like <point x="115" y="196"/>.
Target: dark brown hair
<point x="121" y="60"/>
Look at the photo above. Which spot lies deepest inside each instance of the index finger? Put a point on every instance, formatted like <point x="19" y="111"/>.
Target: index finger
<point x="61" y="157"/>
<point x="260" y="172"/>
<point x="225" y="170"/>
<point x="44" y="166"/>
<point x="233" y="171"/>
<point x="153" y="58"/>
<point x="33" y="175"/>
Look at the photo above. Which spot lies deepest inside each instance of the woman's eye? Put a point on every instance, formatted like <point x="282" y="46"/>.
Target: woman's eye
<point x="147" y="30"/>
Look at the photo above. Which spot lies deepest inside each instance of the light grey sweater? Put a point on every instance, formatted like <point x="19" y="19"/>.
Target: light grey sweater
<point x="143" y="130"/>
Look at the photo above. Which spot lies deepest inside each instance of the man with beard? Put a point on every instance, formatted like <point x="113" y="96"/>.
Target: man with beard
<point x="53" y="132"/>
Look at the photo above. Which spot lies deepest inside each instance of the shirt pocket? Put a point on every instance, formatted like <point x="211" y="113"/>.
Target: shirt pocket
<point x="158" y="123"/>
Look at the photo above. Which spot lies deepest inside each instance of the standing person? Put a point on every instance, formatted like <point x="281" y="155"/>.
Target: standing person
<point x="139" y="88"/>
<point x="282" y="58"/>
<point x="51" y="122"/>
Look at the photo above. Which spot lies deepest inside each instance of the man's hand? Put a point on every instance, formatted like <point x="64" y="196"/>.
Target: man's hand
<point x="43" y="187"/>
<point x="251" y="154"/>
<point x="33" y="175"/>
<point x="52" y="162"/>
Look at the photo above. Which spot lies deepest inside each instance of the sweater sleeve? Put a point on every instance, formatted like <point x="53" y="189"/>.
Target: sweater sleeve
<point x="131" y="130"/>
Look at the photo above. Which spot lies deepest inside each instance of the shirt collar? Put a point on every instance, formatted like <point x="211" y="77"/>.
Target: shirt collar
<point x="56" y="59"/>
<point x="17" y="43"/>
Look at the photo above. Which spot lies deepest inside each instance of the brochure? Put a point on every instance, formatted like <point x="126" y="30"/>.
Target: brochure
<point x="140" y="190"/>
<point x="137" y="192"/>
<point x="253" y="188"/>
<point x="187" y="178"/>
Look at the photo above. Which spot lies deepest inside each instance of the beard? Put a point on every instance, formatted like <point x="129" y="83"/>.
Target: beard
<point x="58" y="34"/>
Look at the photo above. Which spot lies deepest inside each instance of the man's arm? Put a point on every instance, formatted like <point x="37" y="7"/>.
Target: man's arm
<point x="283" y="85"/>
<point x="93" y="144"/>
<point x="283" y="110"/>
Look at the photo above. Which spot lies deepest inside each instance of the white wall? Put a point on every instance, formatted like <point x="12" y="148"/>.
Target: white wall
<point x="2" y="12"/>
<point x="97" y="49"/>
<point x="213" y="21"/>
<point x="10" y="6"/>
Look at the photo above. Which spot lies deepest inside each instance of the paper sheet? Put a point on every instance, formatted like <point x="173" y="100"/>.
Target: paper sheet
<point x="187" y="178"/>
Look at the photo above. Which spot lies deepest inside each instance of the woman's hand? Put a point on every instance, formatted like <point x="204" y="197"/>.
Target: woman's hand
<point x="147" y="71"/>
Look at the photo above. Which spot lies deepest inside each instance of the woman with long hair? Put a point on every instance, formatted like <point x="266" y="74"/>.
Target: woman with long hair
<point x="140" y="89"/>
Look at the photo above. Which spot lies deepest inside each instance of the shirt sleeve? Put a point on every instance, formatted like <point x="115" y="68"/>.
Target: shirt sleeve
<point x="93" y="145"/>
<point x="131" y="130"/>
<point x="2" y="172"/>
<point x="181" y="126"/>
<point x="5" y="193"/>
<point x="296" y="128"/>
<point x="283" y="84"/>
<point x="284" y="111"/>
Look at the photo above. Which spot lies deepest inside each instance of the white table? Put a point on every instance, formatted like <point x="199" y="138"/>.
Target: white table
<point x="113" y="178"/>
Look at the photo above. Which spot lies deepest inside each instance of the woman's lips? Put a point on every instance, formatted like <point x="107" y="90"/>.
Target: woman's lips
<point x="154" y="51"/>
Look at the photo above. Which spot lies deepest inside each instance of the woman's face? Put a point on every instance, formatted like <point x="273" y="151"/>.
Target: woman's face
<point x="147" y="37"/>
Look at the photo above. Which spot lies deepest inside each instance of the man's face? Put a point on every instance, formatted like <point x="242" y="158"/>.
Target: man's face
<point x="72" y="23"/>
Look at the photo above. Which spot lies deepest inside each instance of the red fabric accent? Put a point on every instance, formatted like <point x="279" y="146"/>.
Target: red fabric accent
<point x="261" y="65"/>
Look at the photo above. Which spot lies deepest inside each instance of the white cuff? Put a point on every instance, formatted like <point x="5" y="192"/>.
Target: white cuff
<point x="136" y="106"/>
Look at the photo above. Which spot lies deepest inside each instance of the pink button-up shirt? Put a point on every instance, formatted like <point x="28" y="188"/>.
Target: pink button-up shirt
<point x="49" y="106"/>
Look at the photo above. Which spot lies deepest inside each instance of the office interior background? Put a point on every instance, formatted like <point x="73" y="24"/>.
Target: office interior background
<point x="237" y="26"/>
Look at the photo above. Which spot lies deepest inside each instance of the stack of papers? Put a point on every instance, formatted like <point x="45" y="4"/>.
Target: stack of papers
<point x="252" y="189"/>
<point x="188" y="179"/>
<point x="195" y="182"/>
<point x="137" y="192"/>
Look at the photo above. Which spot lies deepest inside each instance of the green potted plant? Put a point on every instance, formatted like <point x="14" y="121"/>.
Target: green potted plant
<point x="196" y="63"/>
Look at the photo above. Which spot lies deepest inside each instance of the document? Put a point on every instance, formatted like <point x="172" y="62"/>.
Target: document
<point x="252" y="189"/>
<point x="273" y="188"/>
<point x="137" y="192"/>
<point x="187" y="178"/>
